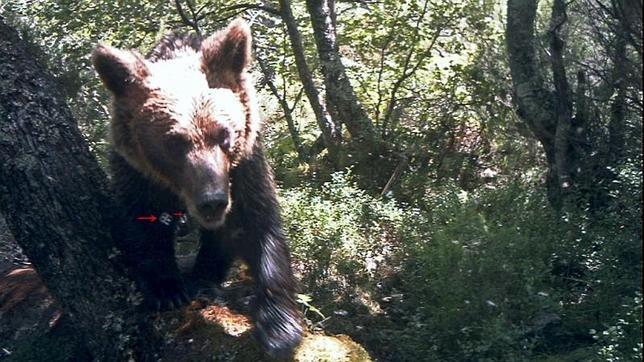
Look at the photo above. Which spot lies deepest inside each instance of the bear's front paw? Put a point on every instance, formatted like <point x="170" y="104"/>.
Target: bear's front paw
<point x="165" y="293"/>
<point x="278" y="328"/>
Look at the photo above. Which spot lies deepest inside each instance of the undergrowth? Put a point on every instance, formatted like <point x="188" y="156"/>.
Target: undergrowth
<point x="493" y="274"/>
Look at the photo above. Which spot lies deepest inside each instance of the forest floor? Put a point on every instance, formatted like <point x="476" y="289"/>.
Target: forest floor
<point x="215" y="326"/>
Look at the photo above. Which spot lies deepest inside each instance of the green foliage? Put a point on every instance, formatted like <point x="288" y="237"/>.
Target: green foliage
<point x="492" y="274"/>
<point x="340" y="236"/>
<point x="450" y="264"/>
<point x="482" y="282"/>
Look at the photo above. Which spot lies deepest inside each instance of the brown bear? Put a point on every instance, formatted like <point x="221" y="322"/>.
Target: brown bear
<point x="184" y="132"/>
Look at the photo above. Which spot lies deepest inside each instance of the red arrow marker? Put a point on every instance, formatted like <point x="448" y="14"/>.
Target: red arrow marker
<point x="150" y="218"/>
<point x="178" y="213"/>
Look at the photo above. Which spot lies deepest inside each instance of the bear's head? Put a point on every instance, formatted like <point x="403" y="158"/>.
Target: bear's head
<point x="185" y="121"/>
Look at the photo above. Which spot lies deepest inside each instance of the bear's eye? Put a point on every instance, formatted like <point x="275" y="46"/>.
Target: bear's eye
<point x="219" y="137"/>
<point x="225" y="144"/>
<point x="178" y="142"/>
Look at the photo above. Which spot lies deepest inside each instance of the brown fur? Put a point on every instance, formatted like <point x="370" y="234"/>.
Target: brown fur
<point x="173" y="115"/>
<point x="184" y="128"/>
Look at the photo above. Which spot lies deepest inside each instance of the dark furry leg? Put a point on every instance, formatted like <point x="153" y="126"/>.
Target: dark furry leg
<point x="147" y="246"/>
<point x="213" y="260"/>
<point x="278" y="322"/>
<point x="278" y="325"/>
<point x="149" y="250"/>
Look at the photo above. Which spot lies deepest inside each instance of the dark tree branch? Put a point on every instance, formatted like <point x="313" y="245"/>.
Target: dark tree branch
<point x="582" y="115"/>
<point x="288" y="115"/>
<point x="563" y="101"/>
<point x="193" y="23"/>
<point x="616" y="125"/>
<point x="392" y="95"/>
<point x="383" y="54"/>
<point x="395" y="176"/>
<point x="297" y="99"/>
<point x="192" y="10"/>
<point x="330" y="133"/>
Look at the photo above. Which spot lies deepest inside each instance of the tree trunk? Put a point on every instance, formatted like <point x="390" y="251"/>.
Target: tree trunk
<point x="547" y="114"/>
<point x="616" y="125"/>
<point x="563" y="101"/>
<point x="54" y="197"/>
<point x="331" y="134"/>
<point x="340" y="93"/>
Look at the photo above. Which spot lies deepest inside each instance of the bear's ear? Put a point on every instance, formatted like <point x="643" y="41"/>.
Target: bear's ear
<point x="121" y="71"/>
<point x="226" y="55"/>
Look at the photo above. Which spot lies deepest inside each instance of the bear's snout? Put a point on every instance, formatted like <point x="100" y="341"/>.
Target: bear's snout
<point x="212" y="203"/>
<point x="211" y="207"/>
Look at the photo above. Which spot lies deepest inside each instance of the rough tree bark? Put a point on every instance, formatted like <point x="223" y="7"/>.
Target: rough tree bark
<point x="54" y="197"/>
<point x="340" y="93"/>
<point x="616" y="125"/>
<point x="559" y="119"/>
<point x="331" y="134"/>
<point x="548" y="114"/>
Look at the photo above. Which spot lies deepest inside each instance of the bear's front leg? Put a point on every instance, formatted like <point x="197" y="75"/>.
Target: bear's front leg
<point x="147" y="243"/>
<point x="263" y="247"/>
<point x="278" y="325"/>
<point x="149" y="249"/>
<point x="213" y="260"/>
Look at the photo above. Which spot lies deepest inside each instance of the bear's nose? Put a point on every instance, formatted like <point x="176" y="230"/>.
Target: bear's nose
<point x="212" y="204"/>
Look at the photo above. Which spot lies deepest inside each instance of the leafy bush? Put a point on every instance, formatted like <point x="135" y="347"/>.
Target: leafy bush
<point x="493" y="274"/>
<point x="340" y="236"/>
<point x="481" y="281"/>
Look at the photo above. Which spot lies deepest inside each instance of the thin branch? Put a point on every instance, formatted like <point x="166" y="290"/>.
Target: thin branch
<point x="184" y="17"/>
<point x="563" y="103"/>
<point x="395" y="176"/>
<point x="244" y="7"/>
<point x="297" y="99"/>
<point x="202" y="8"/>
<point x="191" y="8"/>
<point x="283" y="68"/>
<point x="405" y="75"/>
<point x="288" y="115"/>
<point x="383" y="53"/>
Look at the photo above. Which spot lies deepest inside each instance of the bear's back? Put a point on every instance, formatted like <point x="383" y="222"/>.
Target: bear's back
<point x="173" y="45"/>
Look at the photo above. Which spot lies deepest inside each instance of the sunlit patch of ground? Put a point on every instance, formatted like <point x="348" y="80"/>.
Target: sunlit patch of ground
<point x="339" y="348"/>
<point x="214" y="330"/>
<point x="233" y="324"/>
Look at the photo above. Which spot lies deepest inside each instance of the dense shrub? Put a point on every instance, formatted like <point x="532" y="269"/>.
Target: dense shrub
<point x="493" y="274"/>
<point x="340" y="236"/>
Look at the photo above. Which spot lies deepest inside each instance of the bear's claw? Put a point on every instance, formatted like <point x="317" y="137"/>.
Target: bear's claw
<point x="165" y="294"/>
<point x="278" y="330"/>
